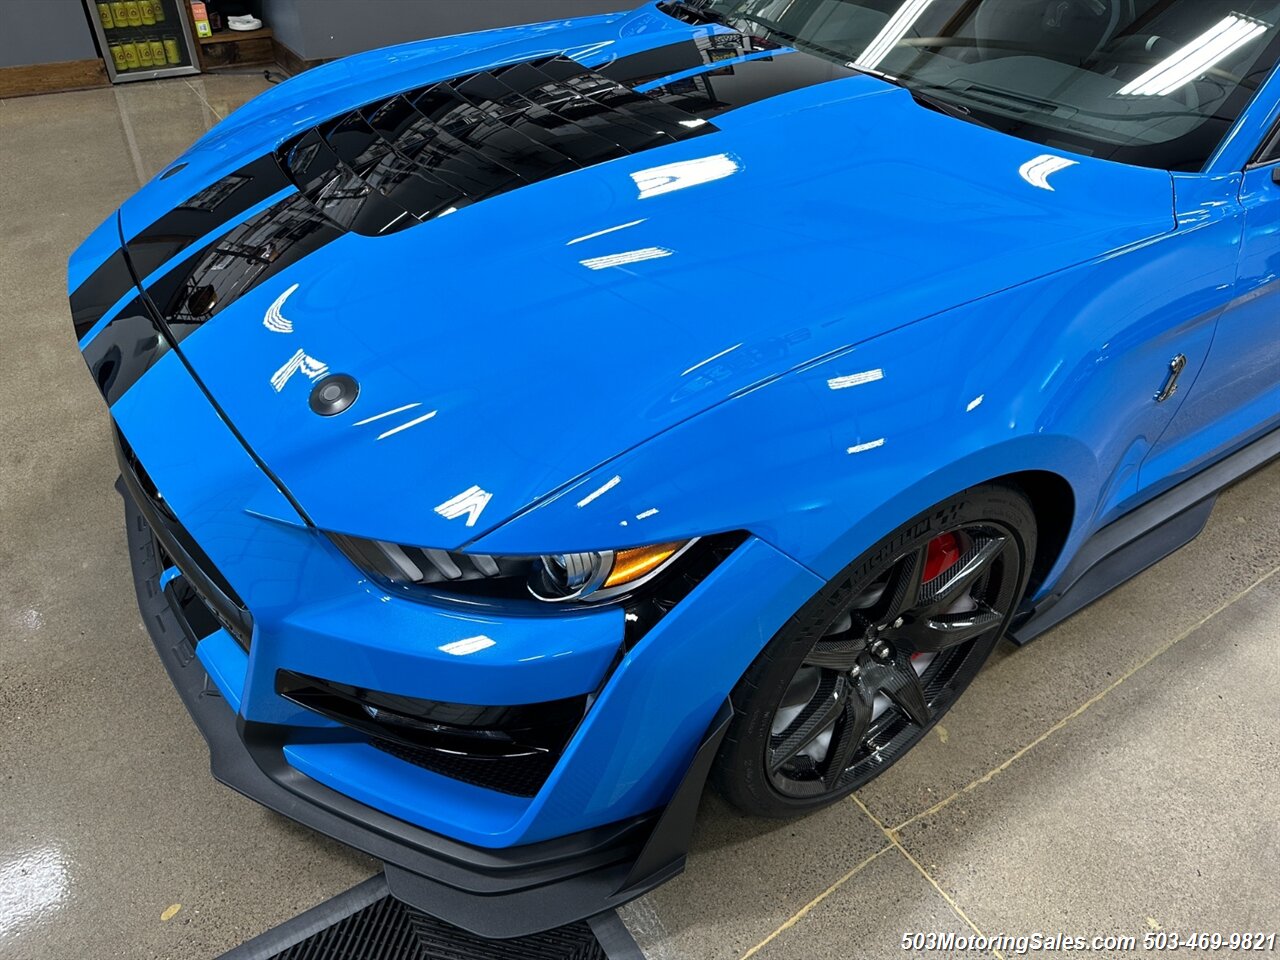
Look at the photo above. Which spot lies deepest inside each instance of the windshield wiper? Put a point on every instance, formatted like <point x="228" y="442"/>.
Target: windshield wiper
<point x="950" y="109"/>
<point x="937" y="104"/>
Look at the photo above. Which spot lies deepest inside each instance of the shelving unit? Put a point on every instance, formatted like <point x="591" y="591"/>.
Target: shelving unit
<point x="236" y="48"/>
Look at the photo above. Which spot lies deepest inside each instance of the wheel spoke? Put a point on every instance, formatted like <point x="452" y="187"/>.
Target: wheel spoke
<point x="822" y="711"/>
<point x="906" y="584"/>
<point x="837" y="655"/>
<point x="849" y="733"/>
<point x="935" y="634"/>
<point x="898" y="681"/>
<point x="958" y="581"/>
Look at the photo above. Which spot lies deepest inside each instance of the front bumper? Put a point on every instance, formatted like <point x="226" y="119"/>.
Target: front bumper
<point x="610" y="819"/>
<point x="541" y="885"/>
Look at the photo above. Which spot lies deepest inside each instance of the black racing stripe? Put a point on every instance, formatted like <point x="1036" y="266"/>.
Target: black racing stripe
<point x="103" y="289"/>
<point x="649" y="65"/>
<point x="731" y="87"/>
<point x="721" y="86"/>
<point x="391" y="164"/>
<point x="126" y="348"/>
<point x="210" y="280"/>
<point x="202" y="214"/>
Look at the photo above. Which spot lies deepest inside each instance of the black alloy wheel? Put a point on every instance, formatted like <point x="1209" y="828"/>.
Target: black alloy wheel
<point x="864" y="670"/>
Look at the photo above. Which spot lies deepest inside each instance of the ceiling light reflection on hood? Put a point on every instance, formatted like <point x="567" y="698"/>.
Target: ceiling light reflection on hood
<point x="855" y="379"/>
<point x="1197" y="57"/>
<point x="655" y="181"/>
<point x="622" y="259"/>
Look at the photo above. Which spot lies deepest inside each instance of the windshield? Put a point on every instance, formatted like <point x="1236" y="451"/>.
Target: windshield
<point x="1150" y="82"/>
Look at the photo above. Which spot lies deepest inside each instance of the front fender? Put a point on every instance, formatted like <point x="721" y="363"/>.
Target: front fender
<point x="1054" y="376"/>
<point x="822" y="462"/>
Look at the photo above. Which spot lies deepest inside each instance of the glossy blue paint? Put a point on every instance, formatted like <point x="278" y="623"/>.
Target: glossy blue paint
<point x="840" y="232"/>
<point x="226" y="664"/>
<point x="834" y="311"/>
<point x="96" y="248"/>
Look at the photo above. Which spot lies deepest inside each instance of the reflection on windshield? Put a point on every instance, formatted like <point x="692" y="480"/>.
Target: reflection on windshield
<point x="892" y="34"/>
<point x="1150" y="82"/>
<point x="1197" y="58"/>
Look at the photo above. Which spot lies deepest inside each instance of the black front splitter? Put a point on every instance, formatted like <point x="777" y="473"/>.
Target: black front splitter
<point x="495" y="893"/>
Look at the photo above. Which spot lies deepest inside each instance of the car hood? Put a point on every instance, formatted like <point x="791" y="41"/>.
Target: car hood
<point x="505" y="349"/>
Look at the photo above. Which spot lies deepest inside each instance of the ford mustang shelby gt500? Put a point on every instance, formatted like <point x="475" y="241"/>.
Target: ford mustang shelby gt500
<point x="518" y="430"/>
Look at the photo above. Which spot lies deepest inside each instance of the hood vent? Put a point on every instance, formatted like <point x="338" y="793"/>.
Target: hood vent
<point x="429" y="152"/>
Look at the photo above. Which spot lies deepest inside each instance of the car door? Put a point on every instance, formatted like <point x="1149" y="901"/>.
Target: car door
<point x="1237" y="394"/>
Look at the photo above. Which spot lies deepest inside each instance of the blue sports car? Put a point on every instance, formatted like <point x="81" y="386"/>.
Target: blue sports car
<point x="519" y="430"/>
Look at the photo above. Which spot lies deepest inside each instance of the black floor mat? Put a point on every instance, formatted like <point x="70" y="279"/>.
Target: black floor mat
<point x="367" y="923"/>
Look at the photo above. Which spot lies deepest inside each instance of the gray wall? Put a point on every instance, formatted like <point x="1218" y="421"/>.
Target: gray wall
<point x="44" y="31"/>
<point x="323" y="29"/>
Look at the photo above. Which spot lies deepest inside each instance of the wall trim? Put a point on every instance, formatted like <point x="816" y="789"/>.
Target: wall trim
<point x="290" y="61"/>
<point x="29" y="79"/>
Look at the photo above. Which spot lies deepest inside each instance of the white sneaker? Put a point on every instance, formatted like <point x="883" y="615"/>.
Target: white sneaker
<point x="246" y="22"/>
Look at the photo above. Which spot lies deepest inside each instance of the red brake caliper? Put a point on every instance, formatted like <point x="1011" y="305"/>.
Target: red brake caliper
<point x="943" y="554"/>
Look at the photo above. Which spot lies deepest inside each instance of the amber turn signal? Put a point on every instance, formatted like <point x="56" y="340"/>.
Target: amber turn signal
<point x="632" y="564"/>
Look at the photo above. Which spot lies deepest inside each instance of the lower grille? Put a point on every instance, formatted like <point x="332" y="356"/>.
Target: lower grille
<point x="509" y="749"/>
<point x="517" y="776"/>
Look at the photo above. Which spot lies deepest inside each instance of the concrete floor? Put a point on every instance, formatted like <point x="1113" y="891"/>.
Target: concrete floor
<point x="1118" y="776"/>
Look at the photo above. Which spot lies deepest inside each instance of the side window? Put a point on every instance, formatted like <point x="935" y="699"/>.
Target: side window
<point x="1269" y="152"/>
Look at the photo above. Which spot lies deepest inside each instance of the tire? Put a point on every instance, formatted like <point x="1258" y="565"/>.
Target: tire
<point x="882" y="652"/>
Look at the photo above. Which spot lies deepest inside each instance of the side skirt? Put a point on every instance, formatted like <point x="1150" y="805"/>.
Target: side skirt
<point x="1138" y="540"/>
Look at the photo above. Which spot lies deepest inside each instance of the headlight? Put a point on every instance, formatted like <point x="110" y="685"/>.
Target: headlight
<point x="553" y="578"/>
<point x="577" y="576"/>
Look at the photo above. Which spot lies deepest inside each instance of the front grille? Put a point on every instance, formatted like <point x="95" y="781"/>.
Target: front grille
<point x="510" y="749"/>
<point x="200" y="577"/>
<point x="521" y="776"/>
<point x="429" y="152"/>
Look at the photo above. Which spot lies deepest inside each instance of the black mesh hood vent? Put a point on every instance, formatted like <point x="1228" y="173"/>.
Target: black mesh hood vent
<point x="429" y="152"/>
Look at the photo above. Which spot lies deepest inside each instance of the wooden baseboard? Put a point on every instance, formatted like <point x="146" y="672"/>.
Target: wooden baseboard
<point x="289" y="61"/>
<point x="52" y="77"/>
<point x="235" y="53"/>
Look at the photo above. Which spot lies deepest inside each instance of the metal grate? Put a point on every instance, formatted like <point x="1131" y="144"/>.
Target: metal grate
<point x="521" y="776"/>
<point x="389" y="930"/>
